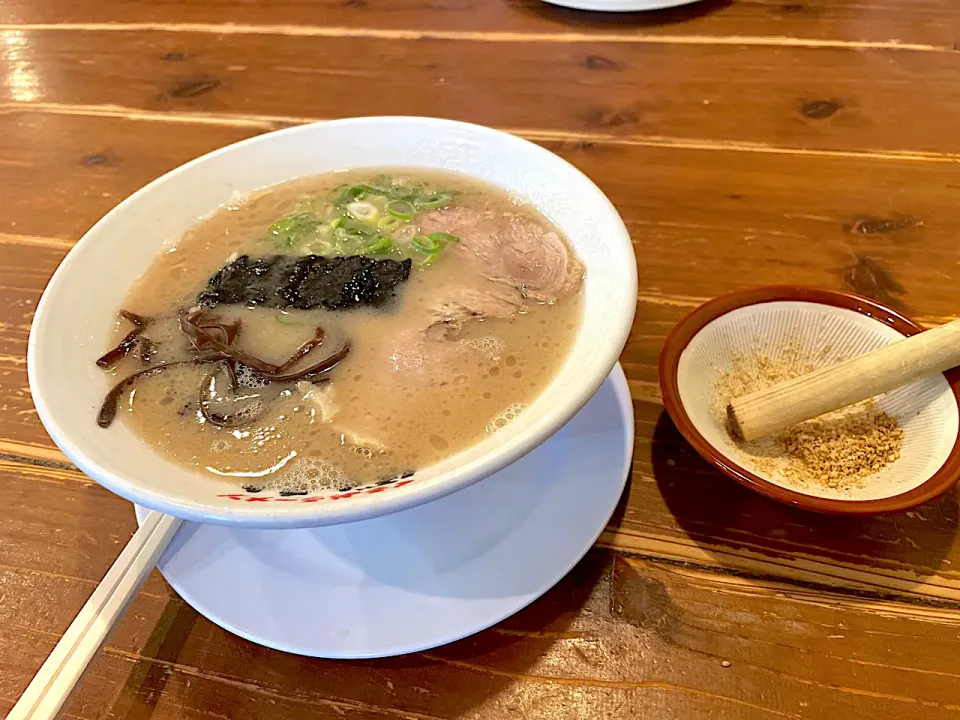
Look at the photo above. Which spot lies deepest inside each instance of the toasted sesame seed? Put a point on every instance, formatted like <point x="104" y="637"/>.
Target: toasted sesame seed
<point x="837" y="451"/>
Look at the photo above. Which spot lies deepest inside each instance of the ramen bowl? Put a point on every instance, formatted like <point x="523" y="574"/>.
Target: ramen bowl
<point x="75" y="316"/>
<point x="807" y="329"/>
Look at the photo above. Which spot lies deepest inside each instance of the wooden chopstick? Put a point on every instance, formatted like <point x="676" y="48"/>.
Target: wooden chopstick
<point x="54" y="682"/>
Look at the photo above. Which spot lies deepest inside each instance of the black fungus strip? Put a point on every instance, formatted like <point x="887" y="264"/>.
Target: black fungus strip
<point x="129" y="342"/>
<point x="225" y="420"/>
<point x="208" y="334"/>
<point x="138" y="320"/>
<point x="200" y="326"/>
<point x="303" y="350"/>
<point x="111" y="403"/>
<point x="310" y="372"/>
<point x="202" y="329"/>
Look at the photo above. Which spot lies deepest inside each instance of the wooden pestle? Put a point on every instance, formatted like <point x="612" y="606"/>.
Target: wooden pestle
<point x="776" y="408"/>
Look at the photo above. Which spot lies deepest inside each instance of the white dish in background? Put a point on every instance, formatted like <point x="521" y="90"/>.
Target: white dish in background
<point x="820" y="335"/>
<point x="426" y="576"/>
<point x="77" y="311"/>
<point x="620" y="5"/>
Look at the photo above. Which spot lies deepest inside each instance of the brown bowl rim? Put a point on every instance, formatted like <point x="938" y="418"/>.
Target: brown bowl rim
<point x="686" y="329"/>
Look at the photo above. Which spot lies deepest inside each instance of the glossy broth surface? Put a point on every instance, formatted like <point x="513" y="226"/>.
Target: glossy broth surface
<point x="400" y="401"/>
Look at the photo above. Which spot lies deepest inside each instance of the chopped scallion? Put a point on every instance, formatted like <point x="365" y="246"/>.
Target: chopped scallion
<point x="401" y="209"/>
<point x="430" y="259"/>
<point x="425" y="244"/>
<point x="442" y="237"/>
<point x="375" y="218"/>
<point x="363" y="211"/>
<point x="381" y="246"/>
<point x="389" y="223"/>
<point x="435" y="200"/>
<point x="292" y="228"/>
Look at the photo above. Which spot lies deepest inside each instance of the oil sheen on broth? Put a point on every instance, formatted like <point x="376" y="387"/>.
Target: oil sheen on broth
<point x="486" y="314"/>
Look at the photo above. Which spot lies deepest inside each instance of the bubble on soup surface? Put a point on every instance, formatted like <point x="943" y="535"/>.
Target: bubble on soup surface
<point x="505" y="416"/>
<point x="439" y="442"/>
<point x="311" y="473"/>
<point x="509" y="361"/>
<point x="248" y="378"/>
<point x="490" y="346"/>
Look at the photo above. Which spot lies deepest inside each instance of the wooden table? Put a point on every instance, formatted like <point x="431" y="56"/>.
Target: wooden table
<point x="745" y="142"/>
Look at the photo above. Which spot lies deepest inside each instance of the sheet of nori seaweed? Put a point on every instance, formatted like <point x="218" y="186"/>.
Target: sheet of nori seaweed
<point x="307" y="282"/>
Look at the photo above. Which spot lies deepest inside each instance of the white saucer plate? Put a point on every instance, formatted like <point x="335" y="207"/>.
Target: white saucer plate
<point x="620" y="5"/>
<point x="422" y="577"/>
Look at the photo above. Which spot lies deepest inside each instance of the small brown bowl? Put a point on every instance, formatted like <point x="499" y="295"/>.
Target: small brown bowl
<point x="930" y="459"/>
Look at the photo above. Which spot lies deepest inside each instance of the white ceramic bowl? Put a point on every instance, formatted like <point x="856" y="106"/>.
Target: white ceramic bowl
<point x="74" y="318"/>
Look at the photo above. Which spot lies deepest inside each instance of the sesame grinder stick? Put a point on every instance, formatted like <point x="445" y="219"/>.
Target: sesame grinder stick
<point x="776" y="408"/>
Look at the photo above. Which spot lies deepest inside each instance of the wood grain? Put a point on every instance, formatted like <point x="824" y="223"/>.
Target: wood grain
<point x="620" y="637"/>
<point x="700" y="219"/>
<point x="927" y="23"/>
<point x="867" y="100"/>
<point x="808" y="218"/>
<point x="744" y="142"/>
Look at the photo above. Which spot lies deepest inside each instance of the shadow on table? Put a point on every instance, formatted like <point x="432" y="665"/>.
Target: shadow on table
<point x="588" y="19"/>
<point x="447" y="682"/>
<point x="714" y="510"/>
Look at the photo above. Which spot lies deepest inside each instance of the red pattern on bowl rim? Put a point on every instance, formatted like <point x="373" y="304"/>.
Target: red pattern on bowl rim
<point x="250" y="496"/>
<point x="938" y="483"/>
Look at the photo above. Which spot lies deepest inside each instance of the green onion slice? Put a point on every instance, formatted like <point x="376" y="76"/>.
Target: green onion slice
<point x="430" y="259"/>
<point x="380" y="246"/>
<point x="425" y="244"/>
<point x="349" y="193"/>
<point x="401" y="209"/>
<point x="436" y="200"/>
<point x="363" y="210"/>
<point x="389" y="223"/>
<point x="442" y="237"/>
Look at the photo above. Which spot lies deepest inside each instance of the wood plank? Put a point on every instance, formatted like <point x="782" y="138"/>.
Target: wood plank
<point x="700" y="221"/>
<point x="680" y="508"/>
<point x="925" y="22"/>
<point x="61" y="525"/>
<point x="670" y="511"/>
<point x="617" y="638"/>
<point x="744" y="141"/>
<point x="876" y="100"/>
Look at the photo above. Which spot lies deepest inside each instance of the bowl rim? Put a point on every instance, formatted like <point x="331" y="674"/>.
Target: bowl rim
<point x="316" y="514"/>
<point x="678" y="339"/>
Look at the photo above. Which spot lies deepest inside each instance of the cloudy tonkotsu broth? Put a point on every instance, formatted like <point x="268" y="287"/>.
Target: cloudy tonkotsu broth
<point x="451" y="304"/>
